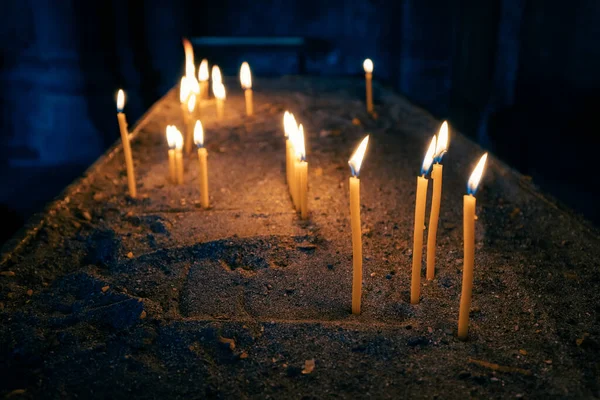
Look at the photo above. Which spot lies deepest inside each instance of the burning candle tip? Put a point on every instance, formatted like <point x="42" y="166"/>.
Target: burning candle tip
<point x="475" y="177"/>
<point x="356" y="160"/>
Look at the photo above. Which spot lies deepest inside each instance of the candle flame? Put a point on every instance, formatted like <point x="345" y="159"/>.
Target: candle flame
<point x="203" y="71"/>
<point x="171" y="140"/>
<point x="245" y="76"/>
<point x="428" y="160"/>
<point x="120" y="100"/>
<point x="299" y="145"/>
<point x="184" y="90"/>
<point x="216" y="74"/>
<point x="476" y="175"/>
<point x="199" y="134"/>
<point x="289" y="125"/>
<point x="190" y="69"/>
<point x="191" y="104"/>
<point x="368" y="66"/>
<point x="219" y="90"/>
<point x="356" y="160"/>
<point x="442" y="142"/>
<point x="193" y="85"/>
<point x="178" y="139"/>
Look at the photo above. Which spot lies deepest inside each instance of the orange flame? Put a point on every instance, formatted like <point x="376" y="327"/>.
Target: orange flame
<point x="198" y="134"/>
<point x="442" y="142"/>
<point x="190" y="68"/>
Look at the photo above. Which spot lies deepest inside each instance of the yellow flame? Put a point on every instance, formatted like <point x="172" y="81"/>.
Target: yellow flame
<point x="442" y="140"/>
<point x="171" y="136"/>
<point x="191" y="104"/>
<point x="368" y="65"/>
<point x="219" y="90"/>
<point x="193" y="84"/>
<point x="178" y="139"/>
<point x="216" y="74"/>
<point x="477" y="174"/>
<point x="299" y="145"/>
<point x="198" y="134"/>
<point x="190" y="69"/>
<point x="356" y="160"/>
<point x="184" y="90"/>
<point x="120" y="100"/>
<point x="245" y="76"/>
<point x="428" y="160"/>
<point x="203" y="71"/>
<point x="289" y="125"/>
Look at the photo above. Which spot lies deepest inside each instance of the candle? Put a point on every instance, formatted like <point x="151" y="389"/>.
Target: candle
<point x="178" y="155"/>
<point x="184" y="94"/>
<point x="368" y="66"/>
<point x="469" y="202"/>
<point x="293" y="135"/>
<point x="301" y="168"/>
<point x="219" y="92"/>
<point x="289" y="126"/>
<point x="355" y="163"/>
<point x="202" y="155"/>
<point x="246" y="80"/>
<point x="436" y="175"/>
<point x="189" y="121"/>
<point x="203" y="79"/>
<point x="420" y="203"/>
<point x="190" y="67"/>
<point x="126" y="144"/>
<point x="171" y="141"/>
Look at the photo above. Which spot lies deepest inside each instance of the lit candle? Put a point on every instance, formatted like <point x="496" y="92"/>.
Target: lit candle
<point x="171" y="141"/>
<point x="469" y="248"/>
<point x="355" y="163"/>
<point x="293" y="135"/>
<point x="301" y="168"/>
<point x="202" y="155"/>
<point x="178" y="155"/>
<point x="420" y="203"/>
<point x="219" y="92"/>
<point x="184" y="94"/>
<point x="189" y="123"/>
<point x="190" y="68"/>
<point x="289" y="126"/>
<point x="203" y="78"/>
<point x="246" y="80"/>
<point x="368" y="66"/>
<point x="436" y="175"/>
<point x="126" y="144"/>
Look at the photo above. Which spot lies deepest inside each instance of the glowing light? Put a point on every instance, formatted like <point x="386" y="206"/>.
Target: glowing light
<point x="368" y="66"/>
<point x="191" y="104"/>
<point x="193" y="84"/>
<point x="476" y="175"/>
<point x="428" y="160"/>
<point x="203" y="71"/>
<point x="190" y="69"/>
<point x="171" y="140"/>
<point x="442" y="142"/>
<point x="219" y="90"/>
<point x="356" y="160"/>
<point x="289" y="125"/>
<point x="199" y="134"/>
<point x="120" y="100"/>
<point x="184" y="90"/>
<point x="245" y="76"/>
<point x="216" y="74"/>
<point x="299" y="145"/>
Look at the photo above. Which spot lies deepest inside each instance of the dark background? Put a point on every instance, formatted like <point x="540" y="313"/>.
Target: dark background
<point x="520" y="77"/>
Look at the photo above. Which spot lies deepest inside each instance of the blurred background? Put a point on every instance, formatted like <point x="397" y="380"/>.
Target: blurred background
<point x="521" y="77"/>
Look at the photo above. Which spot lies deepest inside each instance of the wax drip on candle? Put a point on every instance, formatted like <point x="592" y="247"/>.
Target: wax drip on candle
<point x="120" y="100"/>
<point x="245" y="76"/>
<point x="355" y="161"/>
<point x="428" y="160"/>
<point x="199" y="134"/>
<point x="442" y="143"/>
<point x="203" y="71"/>
<point x="476" y="175"/>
